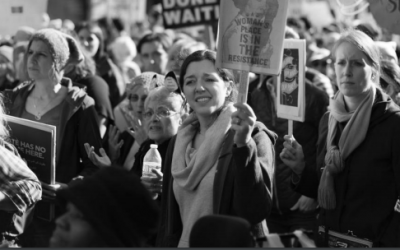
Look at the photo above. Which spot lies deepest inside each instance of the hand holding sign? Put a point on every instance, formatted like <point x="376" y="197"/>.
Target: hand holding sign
<point x="49" y="191"/>
<point x="243" y="121"/>
<point x="292" y="155"/>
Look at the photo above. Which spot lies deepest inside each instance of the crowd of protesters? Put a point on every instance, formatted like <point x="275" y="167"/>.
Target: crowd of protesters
<point x="111" y="95"/>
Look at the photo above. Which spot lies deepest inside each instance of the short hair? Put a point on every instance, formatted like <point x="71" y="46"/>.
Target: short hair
<point x="163" y="38"/>
<point x="162" y="92"/>
<point x="365" y="44"/>
<point x="211" y="56"/>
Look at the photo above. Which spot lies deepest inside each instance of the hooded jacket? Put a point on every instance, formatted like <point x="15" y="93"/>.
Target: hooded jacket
<point x="369" y="186"/>
<point x="78" y="125"/>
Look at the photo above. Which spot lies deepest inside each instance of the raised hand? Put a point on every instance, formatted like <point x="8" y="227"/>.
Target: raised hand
<point x="243" y="121"/>
<point x="292" y="155"/>
<point x="114" y="145"/>
<point x="100" y="161"/>
<point x="138" y="132"/>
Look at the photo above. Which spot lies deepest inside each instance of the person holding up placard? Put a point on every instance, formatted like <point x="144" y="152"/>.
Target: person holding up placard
<point x="51" y="99"/>
<point x="358" y="165"/>
<point x="291" y="211"/>
<point x="221" y="161"/>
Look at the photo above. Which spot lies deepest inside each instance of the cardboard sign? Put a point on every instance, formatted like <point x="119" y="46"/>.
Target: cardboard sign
<point x="17" y="13"/>
<point x="183" y="13"/>
<point x="290" y="83"/>
<point x="129" y="11"/>
<point x="36" y="143"/>
<point x="386" y="14"/>
<point x="250" y="35"/>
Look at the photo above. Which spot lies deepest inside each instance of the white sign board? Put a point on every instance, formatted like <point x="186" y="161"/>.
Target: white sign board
<point x="251" y="35"/>
<point x="290" y="84"/>
<point x="17" y="13"/>
<point x="129" y="11"/>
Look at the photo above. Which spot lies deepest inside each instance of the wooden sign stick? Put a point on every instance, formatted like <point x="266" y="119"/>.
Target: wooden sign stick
<point x="243" y="86"/>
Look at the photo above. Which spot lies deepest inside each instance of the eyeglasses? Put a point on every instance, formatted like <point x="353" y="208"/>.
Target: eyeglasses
<point x="161" y="113"/>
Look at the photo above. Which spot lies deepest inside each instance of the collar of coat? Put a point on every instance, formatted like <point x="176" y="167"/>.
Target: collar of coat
<point x="76" y="96"/>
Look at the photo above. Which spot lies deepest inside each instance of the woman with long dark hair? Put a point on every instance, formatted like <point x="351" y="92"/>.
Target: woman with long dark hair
<point x="220" y="162"/>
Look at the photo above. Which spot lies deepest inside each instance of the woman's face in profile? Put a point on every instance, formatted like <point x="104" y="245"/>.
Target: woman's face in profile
<point x="257" y="6"/>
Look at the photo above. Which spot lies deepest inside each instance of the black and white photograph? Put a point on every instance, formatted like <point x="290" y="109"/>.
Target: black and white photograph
<point x="199" y="124"/>
<point x="291" y="81"/>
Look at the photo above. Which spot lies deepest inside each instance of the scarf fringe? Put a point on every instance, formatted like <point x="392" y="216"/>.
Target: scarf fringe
<point x="326" y="191"/>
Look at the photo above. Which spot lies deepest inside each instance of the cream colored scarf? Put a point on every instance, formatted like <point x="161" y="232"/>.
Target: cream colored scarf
<point x="188" y="176"/>
<point x="352" y="136"/>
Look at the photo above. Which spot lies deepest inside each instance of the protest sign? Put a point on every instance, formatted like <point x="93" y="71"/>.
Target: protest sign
<point x="127" y="10"/>
<point x="183" y="13"/>
<point x="250" y="35"/>
<point x="290" y="83"/>
<point x="17" y="13"/>
<point x="36" y="143"/>
<point x="386" y="14"/>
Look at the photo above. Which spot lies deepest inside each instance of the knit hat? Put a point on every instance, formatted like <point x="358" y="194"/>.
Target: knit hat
<point x="63" y="48"/>
<point x="117" y="206"/>
<point x="7" y="52"/>
<point x="145" y="79"/>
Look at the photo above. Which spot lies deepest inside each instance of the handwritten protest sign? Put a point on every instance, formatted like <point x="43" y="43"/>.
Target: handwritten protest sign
<point x="36" y="143"/>
<point x="251" y="35"/>
<point x="386" y="14"/>
<point x="290" y="83"/>
<point x="183" y="13"/>
<point x="17" y="13"/>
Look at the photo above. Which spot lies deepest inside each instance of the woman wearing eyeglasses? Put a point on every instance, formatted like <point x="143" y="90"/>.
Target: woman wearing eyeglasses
<point x="125" y="138"/>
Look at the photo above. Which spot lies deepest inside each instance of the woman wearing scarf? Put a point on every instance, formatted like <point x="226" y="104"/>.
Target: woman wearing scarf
<point x="220" y="162"/>
<point x="358" y="151"/>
